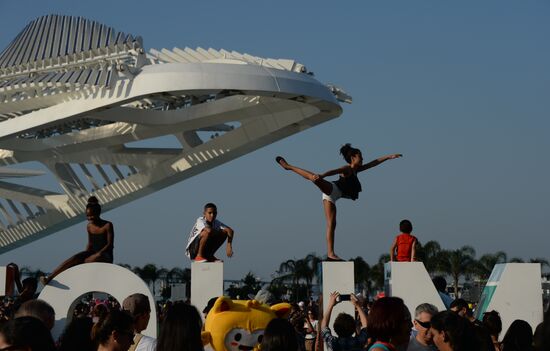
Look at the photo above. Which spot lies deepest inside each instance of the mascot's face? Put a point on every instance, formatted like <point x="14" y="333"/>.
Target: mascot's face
<point x="241" y="339"/>
<point x="235" y="325"/>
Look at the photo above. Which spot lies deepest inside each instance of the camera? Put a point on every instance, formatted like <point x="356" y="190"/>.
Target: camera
<point x="343" y="297"/>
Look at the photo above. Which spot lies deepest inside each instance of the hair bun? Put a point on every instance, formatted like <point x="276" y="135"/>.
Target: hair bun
<point x="93" y="200"/>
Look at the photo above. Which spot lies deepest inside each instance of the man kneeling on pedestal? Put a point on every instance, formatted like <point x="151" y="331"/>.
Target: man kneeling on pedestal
<point x="207" y="235"/>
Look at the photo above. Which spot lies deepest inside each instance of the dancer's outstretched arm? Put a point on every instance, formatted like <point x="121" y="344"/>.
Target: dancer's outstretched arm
<point x="378" y="161"/>
<point x="341" y="170"/>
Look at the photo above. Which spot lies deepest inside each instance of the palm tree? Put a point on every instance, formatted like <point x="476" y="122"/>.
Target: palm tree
<point x="287" y="272"/>
<point x="178" y="275"/>
<point x="543" y="262"/>
<point x="457" y="263"/>
<point x="150" y="274"/>
<point x="125" y="265"/>
<point x="429" y="254"/>
<point x="296" y="270"/>
<point x="311" y="270"/>
<point x="26" y="271"/>
<point x="361" y="272"/>
<point x="377" y="271"/>
<point x="484" y="266"/>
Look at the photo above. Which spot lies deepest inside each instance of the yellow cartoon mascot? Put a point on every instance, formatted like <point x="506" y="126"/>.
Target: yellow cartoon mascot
<point x="238" y="325"/>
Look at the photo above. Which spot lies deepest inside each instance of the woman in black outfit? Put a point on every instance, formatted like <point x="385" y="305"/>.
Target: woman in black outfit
<point x="347" y="186"/>
<point x="100" y="242"/>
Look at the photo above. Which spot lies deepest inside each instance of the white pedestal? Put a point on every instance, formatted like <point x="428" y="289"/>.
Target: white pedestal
<point x="115" y="280"/>
<point x="206" y="283"/>
<point x="338" y="276"/>
<point x="411" y="282"/>
<point x="3" y="280"/>
<point x="514" y="290"/>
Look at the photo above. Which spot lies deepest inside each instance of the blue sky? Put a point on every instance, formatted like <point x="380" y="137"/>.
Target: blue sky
<point x="460" y="88"/>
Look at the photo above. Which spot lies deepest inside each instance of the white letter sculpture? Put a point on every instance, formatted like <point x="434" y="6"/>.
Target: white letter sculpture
<point x="108" y="278"/>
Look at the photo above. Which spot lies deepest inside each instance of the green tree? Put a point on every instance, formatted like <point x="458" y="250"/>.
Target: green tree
<point x="295" y="271"/>
<point x="125" y="265"/>
<point x="26" y="271"/>
<point x="429" y="254"/>
<point x="178" y="275"/>
<point x="150" y="274"/>
<point x="377" y="272"/>
<point x="457" y="263"/>
<point x="247" y="287"/>
<point x="543" y="262"/>
<point x="362" y="272"/>
<point x="484" y="266"/>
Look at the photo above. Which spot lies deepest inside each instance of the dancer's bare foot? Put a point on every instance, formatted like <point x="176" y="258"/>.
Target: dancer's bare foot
<point x="334" y="259"/>
<point x="282" y="162"/>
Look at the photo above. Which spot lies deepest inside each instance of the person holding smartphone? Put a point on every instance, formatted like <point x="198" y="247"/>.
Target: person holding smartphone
<point x="344" y="326"/>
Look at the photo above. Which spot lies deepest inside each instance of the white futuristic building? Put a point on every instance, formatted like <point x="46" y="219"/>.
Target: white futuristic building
<point x="79" y="100"/>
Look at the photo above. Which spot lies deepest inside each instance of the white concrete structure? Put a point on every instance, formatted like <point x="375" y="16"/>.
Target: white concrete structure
<point x="206" y="283"/>
<point x="514" y="290"/>
<point x="74" y="95"/>
<point x="338" y="276"/>
<point x="411" y="282"/>
<point x="112" y="279"/>
<point x="3" y="281"/>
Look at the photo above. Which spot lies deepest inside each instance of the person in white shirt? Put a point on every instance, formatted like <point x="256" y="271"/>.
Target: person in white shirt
<point x="137" y="305"/>
<point x="207" y="235"/>
<point x="310" y="327"/>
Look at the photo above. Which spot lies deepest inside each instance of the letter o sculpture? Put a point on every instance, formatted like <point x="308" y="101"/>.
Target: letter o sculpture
<point x="112" y="279"/>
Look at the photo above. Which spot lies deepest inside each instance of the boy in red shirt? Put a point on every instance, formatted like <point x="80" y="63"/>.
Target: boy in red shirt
<point x="403" y="247"/>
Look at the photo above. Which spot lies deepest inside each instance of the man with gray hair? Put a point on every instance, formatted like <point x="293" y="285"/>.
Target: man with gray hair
<point x="137" y="305"/>
<point x="423" y="341"/>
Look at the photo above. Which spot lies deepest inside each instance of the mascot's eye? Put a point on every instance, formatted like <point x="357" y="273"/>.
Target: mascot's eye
<point x="238" y="336"/>
<point x="260" y="338"/>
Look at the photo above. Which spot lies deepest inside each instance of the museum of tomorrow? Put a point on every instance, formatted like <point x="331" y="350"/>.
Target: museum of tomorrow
<point x="88" y="107"/>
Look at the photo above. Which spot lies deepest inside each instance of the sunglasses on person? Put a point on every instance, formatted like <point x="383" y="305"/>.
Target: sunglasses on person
<point x="426" y="325"/>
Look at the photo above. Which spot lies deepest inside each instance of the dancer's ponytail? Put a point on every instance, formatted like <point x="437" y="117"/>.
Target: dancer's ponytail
<point x="347" y="151"/>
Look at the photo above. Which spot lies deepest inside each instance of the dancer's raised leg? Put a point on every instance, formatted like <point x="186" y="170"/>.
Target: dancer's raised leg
<point x="330" y="214"/>
<point x="324" y="185"/>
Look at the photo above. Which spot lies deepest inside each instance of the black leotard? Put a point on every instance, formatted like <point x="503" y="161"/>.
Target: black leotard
<point x="349" y="186"/>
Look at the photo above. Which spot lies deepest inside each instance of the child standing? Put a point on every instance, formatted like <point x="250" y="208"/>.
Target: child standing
<point x="403" y="247"/>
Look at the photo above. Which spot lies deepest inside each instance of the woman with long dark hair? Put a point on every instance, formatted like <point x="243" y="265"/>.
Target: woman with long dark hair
<point x="347" y="186"/>
<point x="25" y="333"/>
<point x="181" y="329"/>
<point x="518" y="337"/>
<point x="389" y="324"/>
<point x="280" y="335"/>
<point x="114" y="332"/>
<point x="101" y="237"/>
<point x="452" y="332"/>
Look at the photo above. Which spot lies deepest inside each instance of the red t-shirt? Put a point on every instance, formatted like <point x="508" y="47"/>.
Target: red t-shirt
<point x="404" y="247"/>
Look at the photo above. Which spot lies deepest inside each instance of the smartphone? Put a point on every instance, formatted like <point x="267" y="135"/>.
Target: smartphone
<point x="344" y="297"/>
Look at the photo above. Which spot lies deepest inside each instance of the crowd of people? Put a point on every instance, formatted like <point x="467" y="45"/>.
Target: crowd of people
<point x="387" y="325"/>
<point x="381" y="325"/>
